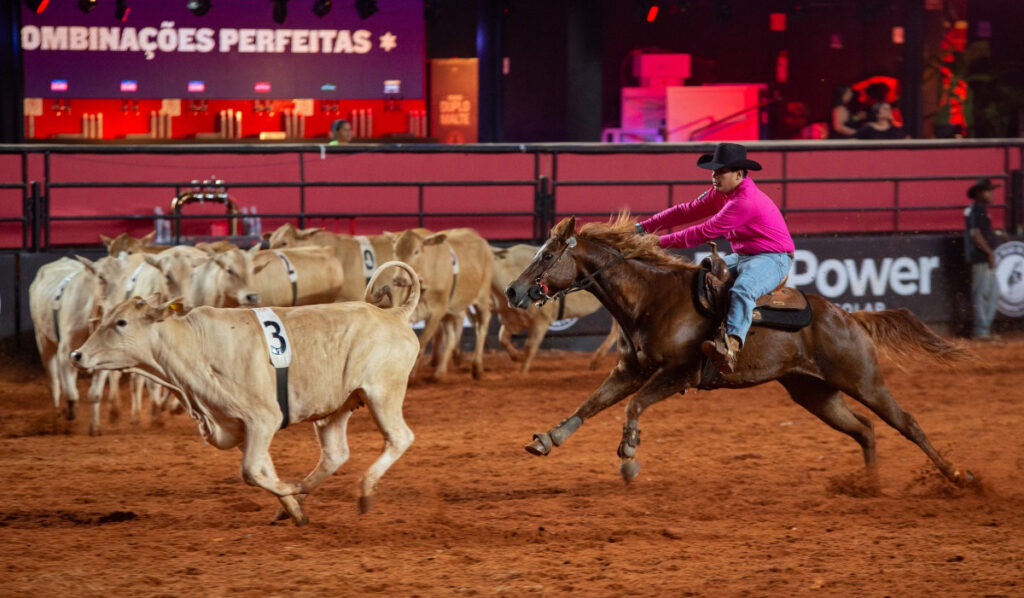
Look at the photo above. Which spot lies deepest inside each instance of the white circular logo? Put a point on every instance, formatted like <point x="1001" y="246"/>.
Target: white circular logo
<point x="1010" y="273"/>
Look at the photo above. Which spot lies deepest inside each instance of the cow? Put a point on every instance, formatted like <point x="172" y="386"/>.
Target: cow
<point x="508" y="263"/>
<point x="358" y="255"/>
<point x="285" y="277"/>
<point x="455" y="268"/>
<point x="222" y="362"/>
<point x="64" y="298"/>
<point x="129" y="245"/>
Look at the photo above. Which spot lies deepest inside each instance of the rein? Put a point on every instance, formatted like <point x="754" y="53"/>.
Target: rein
<point x="584" y="283"/>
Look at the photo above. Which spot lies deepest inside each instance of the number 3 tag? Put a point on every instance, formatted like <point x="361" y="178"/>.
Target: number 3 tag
<point x="278" y="343"/>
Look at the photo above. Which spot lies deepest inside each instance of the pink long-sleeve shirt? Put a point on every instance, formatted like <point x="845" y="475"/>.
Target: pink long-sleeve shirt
<point x="746" y="217"/>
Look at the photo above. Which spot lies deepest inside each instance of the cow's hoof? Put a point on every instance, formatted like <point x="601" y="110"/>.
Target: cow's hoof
<point x="113" y="416"/>
<point x="95" y="431"/>
<point x="301" y="521"/>
<point x="71" y="412"/>
<point x="366" y="504"/>
<point x="478" y="371"/>
<point x="629" y="468"/>
<point x="540" y="446"/>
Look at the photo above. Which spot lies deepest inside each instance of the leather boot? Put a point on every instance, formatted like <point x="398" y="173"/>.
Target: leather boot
<point x="722" y="352"/>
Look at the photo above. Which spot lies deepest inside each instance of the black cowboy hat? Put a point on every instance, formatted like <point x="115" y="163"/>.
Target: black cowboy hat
<point x="982" y="184"/>
<point x="728" y="155"/>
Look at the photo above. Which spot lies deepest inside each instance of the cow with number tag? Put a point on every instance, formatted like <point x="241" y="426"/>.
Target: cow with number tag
<point x="455" y="269"/>
<point x="358" y="255"/>
<point x="227" y="365"/>
<point x="299" y="276"/>
<point x="64" y="301"/>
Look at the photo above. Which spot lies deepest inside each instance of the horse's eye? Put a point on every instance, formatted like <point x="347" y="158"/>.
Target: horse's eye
<point x="122" y="323"/>
<point x="547" y="256"/>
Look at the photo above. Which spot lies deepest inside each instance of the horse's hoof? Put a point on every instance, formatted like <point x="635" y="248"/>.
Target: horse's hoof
<point x="626" y="451"/>
<point x="629" y="468"/>
<point x="540" y="446"/>
<point x="366" y="504"/>
<point x="964" y="478"/>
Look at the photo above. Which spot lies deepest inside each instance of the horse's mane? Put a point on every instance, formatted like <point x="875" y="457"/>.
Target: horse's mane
<point x="620" y="233"/>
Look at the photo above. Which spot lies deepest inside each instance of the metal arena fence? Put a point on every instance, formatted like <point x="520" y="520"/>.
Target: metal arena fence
<point x="590" y="181"/>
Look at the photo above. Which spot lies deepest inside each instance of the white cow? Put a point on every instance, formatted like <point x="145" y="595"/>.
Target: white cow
<point x="343" y="355"/>
<point x="64" y="298"/>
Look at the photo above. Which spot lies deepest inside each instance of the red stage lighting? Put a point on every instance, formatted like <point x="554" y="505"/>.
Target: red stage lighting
<point x="37" y="6"/>
<point x="652" y="13"/>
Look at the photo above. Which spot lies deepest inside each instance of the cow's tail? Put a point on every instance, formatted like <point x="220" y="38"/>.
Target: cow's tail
<point x="405" y="309"/>
<point x="904" y="336"/>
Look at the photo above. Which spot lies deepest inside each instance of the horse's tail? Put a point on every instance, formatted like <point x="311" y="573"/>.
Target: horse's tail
<point x="903" y="335"/>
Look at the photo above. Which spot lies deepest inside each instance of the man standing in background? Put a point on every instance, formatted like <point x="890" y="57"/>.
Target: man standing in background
<point x="979" y="242"/>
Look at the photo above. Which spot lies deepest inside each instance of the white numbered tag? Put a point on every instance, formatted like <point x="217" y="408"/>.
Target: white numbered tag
<point x="131" y="281"/>
<point x="369" y="257"/>
<point x="60" y="288"/>
<point x="278" y="343"/>
<point x="455" y="261"/>
<point x="292" y="276"/>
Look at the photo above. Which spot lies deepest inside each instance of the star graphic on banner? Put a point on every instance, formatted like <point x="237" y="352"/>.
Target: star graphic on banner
<point x="388" y="42"/>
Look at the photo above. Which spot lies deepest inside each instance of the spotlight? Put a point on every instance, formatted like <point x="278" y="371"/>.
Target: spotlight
<point x="321" y="7"/>
<point x="121" y="10"/>
<point x="37" y="6"/>
<point x="366" y="8"/>
<point x="86" y="6"/>
<point x="280" y="10"/>
<point x="199" y="7"/>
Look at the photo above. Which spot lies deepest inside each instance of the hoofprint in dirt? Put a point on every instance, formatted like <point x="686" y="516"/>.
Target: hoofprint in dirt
<point x="742" y="492"/>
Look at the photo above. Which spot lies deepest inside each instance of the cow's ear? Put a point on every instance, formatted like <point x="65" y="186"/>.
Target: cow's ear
<point x="308" y="232"/>
<point x="147" y="239"/>
<point x="177" y="306"/>
<point x="254" y="249"/>
<point x="205" y="248"/>
<point x="151" y="261"/>
<point x="500" y="253"/>
<point x="106" y="240"/>
<point x="435" y="239"/>
<point x="89" y="265"/>
<point x="266" y="236"/>
<point x="259" y="268"/>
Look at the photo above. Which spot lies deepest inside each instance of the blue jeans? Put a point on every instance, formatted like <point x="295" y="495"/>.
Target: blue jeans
<point x="985" y="292"/>
<point x="755" y="275"/>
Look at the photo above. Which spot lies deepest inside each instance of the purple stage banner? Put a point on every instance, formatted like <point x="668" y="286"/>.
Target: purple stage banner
<point x="235" y="51"/>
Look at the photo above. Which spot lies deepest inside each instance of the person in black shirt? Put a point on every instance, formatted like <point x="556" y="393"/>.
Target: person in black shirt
<point x="979" y="241"/>
<point x="880" y="124"/>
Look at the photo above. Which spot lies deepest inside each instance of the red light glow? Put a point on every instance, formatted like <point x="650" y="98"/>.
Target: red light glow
<point x="652" y="14"/>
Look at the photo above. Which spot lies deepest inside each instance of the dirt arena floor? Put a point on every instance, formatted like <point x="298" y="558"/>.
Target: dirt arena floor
<point x="742" y="493"/>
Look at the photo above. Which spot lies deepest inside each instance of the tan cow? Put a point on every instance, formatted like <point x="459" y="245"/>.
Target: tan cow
<point x="127" y="244"/>
<point x="64" y="298"/>
<point x="358" y="255"/>
<point x="447" y="294"/>
<point x="508" y="263"/>
<point x="343" y="355"/>
<point x="304" y="276"/>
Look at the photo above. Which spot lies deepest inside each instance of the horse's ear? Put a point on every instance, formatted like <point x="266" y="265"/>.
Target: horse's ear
<point x="564" y="228"/>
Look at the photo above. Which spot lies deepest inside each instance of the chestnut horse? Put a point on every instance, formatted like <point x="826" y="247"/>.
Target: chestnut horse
<point x="647" y="291"/>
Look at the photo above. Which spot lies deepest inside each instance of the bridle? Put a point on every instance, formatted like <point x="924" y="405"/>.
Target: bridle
<point x="542" y="296"/>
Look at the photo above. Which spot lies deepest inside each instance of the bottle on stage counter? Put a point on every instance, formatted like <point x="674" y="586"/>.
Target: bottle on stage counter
<point x="162" y="226"/>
